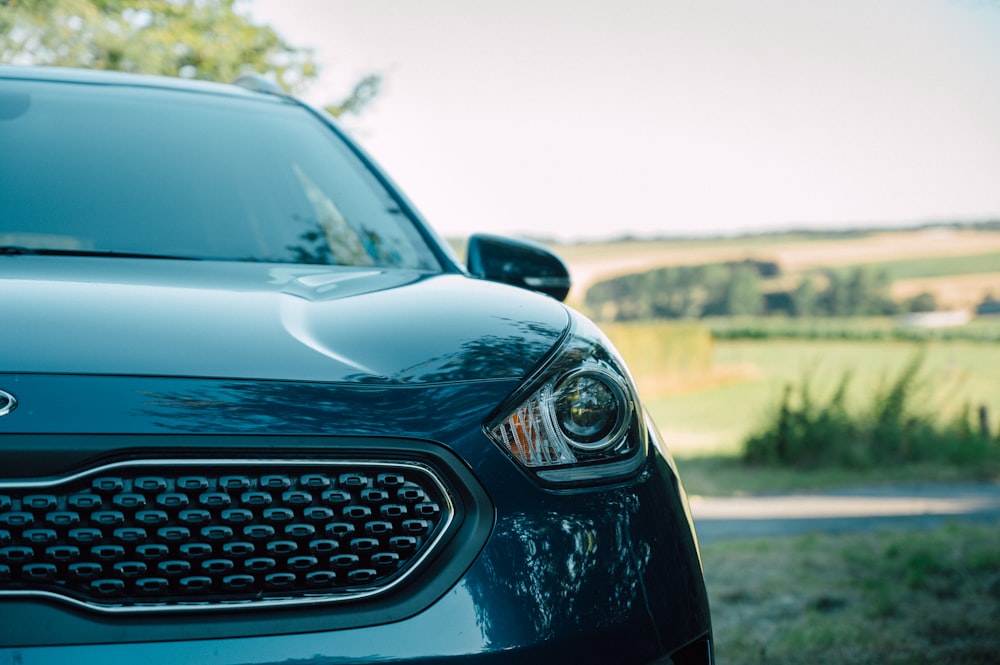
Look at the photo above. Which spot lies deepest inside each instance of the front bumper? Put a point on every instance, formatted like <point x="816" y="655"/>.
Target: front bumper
<point x="587" y="576"/>
<point x="592" y="577"/>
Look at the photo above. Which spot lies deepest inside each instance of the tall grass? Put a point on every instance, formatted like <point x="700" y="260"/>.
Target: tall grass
<point x="895" y="426"/>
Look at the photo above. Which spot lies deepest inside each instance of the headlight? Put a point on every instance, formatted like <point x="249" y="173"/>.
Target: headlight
<point x="592" y="408"/>
<point x="576" y="419"/>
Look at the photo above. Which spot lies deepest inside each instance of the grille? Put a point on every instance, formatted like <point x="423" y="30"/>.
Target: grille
<point x="173" y="535"/>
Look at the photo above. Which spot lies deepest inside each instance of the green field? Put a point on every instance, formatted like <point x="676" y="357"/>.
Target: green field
<point x="709" y="392"/>
<point x="883" y="597"/>
<point x="715" y="413"/>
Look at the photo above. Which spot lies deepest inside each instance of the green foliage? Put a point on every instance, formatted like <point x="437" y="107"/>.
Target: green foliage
<point x="862" y="292"/>
<point x="362" y="94"/>
<point x="742" y="295"/>
<point x="805" y="298"/>
<point x="679" y="292"/>
<point x="716" y="413"/>
<point x="737" y="289"/>
<point x="922" y="302"/>
<point x="895" y="428"/>
<point x="195" y="39"/>
<point x="200" y="39"/>
<point x="989" y="305"/>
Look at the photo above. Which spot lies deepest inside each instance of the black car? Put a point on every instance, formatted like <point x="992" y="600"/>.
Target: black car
<point x="253" y="410"/>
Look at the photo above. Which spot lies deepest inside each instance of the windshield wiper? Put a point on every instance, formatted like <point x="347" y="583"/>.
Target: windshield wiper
<point x="11" y="250"/>
<point x="14" y="250"/>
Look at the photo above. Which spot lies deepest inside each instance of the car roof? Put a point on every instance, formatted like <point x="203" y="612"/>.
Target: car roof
<point x="124" y="79"/>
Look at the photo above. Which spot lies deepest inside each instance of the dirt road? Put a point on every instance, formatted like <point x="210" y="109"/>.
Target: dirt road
<point x="856" y="509"/>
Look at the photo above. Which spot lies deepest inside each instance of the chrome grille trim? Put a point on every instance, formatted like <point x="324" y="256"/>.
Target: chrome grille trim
<point x="127" y="501"/>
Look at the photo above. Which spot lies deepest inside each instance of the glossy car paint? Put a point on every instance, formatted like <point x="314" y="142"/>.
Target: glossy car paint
<point x="268" y="321"/>
<point x="113" y="358"/>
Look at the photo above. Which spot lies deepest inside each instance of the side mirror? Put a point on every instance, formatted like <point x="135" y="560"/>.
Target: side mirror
<point x="518" y="262"/>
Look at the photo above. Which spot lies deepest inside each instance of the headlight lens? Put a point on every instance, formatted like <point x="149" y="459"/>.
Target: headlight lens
<point x="575" y="420"/>
<point x="591" y="409"/>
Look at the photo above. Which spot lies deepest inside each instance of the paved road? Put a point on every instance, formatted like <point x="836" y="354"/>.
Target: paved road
<point x="856" y="509"/>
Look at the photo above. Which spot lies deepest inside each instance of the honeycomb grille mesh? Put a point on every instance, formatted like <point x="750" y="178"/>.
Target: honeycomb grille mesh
<point x="188" y="534"/>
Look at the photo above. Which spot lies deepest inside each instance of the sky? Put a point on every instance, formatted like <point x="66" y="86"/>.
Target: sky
<point x="585" y="119"/>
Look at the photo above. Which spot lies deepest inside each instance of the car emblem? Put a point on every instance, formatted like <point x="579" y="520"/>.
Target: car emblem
<point x="7" y="402"/>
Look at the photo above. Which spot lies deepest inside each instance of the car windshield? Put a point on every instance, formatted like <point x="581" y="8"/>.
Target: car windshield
<point x="134" y="171"/>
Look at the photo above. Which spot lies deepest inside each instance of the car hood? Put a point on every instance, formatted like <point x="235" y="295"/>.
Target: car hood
<point x="152" y="317"/>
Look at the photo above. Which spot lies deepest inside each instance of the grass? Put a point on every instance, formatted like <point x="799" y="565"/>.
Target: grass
<point x="983" y="329"/>
<point x="706" y="417"/>
<point x="752" y="376"/>
<point x="883" y="598"/>
<point x="889" y="429"/>
<point x="728" y="475"/>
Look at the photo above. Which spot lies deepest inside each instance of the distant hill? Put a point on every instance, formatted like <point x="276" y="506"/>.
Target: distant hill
<point x="957" y="262"/>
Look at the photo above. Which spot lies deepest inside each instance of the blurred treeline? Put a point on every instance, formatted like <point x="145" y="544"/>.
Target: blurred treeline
<point x="747" y="288"/>
<point x="212" y="40"/>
